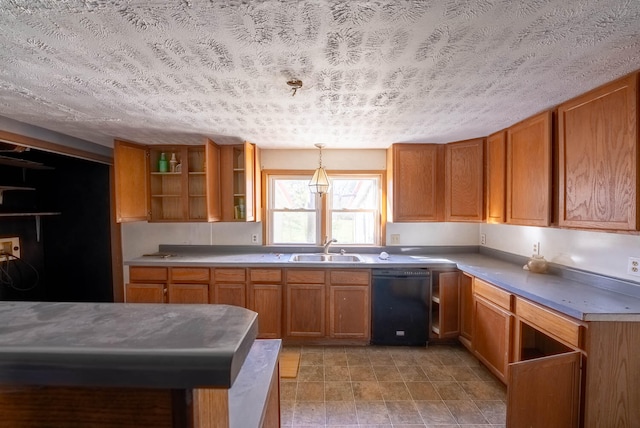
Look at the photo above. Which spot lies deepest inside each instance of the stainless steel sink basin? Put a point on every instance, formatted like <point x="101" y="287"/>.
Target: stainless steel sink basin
<point x="326" y="258"/>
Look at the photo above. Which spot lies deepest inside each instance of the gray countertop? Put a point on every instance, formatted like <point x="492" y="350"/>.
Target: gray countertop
<point x="115" y="344"/>
<point x="576" y="299"/>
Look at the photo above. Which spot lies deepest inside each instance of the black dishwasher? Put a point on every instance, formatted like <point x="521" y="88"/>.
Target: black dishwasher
<point x="400" y="306"/>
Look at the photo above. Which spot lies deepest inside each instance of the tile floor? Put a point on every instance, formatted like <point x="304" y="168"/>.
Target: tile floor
<point x="439" y="386"/>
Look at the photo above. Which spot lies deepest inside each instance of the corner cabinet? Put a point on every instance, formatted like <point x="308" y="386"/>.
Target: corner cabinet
<point x="529" y="147"/>
<point x="144" y="191"/>
<point x="415" y="179"/>
<point x="464" y="184"/>
<point x="598" y="158"/>
<point x="240" y="186"/>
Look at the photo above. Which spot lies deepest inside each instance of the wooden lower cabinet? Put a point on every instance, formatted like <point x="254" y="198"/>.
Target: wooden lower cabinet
<point x="229" y="286"/>
<point x="492" y="336"/>
<point x="305" y="303"/>
<point x="145" y="293"/>
<point x="350" y="304"/>
<point x="265" y="298"/>
<point x="445" y="305"/>
<point x="188" y="293"/>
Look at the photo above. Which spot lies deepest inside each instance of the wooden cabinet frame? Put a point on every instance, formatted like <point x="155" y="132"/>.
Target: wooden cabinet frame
<point x="465" y="181"/>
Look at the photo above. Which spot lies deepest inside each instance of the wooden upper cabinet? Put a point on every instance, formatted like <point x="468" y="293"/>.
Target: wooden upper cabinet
<point x="131" y="175"/>
<point x="464" y="184"/>
<point x="598" y="158"/>
<point x="239" y="182"/>
<point x="529" y="147"/>
<point x="189" y="193"/>
<point x="415" y="174"/>
<point x="496" y="176"/>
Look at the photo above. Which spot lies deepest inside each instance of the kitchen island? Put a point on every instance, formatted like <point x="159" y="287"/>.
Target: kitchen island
<point x="106" y="364"/>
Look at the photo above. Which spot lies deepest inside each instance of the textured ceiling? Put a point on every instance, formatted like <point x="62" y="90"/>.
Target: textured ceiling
<point x="373" y="72"/>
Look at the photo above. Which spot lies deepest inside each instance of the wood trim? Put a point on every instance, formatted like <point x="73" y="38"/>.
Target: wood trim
<point x="210" y="408"/>
<point x="558" y="326"/>
<point x="54" y="147"/>
<point x="117" y="263"/>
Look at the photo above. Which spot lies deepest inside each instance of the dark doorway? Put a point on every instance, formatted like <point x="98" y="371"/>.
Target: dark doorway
<point x="63" y="221"/>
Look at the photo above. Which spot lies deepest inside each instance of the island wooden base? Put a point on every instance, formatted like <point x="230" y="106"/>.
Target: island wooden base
<point x="253" y="401"/>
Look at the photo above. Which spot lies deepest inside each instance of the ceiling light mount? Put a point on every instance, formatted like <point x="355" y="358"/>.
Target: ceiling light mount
<point x="294" y="84"/>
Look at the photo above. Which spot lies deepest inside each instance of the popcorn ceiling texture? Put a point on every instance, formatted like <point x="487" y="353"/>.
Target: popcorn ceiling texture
<point x="374" y="72"/>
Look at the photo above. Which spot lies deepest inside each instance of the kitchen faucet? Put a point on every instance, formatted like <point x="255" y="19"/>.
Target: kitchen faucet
<point x="327" y="244"/>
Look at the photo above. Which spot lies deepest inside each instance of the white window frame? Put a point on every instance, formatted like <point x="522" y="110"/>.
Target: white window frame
<point x="323" y="209"/>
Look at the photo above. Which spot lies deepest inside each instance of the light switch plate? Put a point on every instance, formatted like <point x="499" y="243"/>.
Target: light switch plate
<point x="9" y="246"/>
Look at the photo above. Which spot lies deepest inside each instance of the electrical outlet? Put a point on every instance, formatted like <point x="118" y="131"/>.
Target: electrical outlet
<point x="483" y="239"/>
<point x="254" y="238"/>
<point x="395" y="238"/>
<point x="536" y="248"/>
<point x="633" y="266"/>
<point x="9" y="246"/>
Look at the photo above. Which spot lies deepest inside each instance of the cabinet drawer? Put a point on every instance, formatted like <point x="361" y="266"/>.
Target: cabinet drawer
<point x="563" y="328"/>
<point x="229" y="275"/>
<point x="190" y="274"/>
<point x="492" y="293"/>
<point x="265" y="275"/>
<point x="295" y="276"/>
<point x="149" y="274"/>
<point x="351" y="277"/>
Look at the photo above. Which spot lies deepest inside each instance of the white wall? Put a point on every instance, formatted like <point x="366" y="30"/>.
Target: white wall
<point x="604" y="253"/>
<point x="600" y="252"/>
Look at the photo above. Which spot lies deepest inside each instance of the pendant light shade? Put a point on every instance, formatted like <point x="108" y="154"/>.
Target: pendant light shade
<point x="320" y="181"/>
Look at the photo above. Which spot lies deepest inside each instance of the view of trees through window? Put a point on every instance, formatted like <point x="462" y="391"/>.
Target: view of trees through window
<point x="353" y="210"/>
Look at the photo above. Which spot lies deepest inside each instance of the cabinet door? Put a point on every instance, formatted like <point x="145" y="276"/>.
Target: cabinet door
<point x="496" y="176"/>
<point x="446" y="294"/>
<point x="598" y="158"/>
<point x="466" y="308"/>
<point x="415" y="174"/>
<point x="349" y="312"/>
<point x="491" y="336"/>
<point x="464" y="185"/>
<point x="188" y="293"/>
<point x="545" y="392"/>
<point x="144" y="293"/>
<point x="529" y="171"/>
<point x="131" y="181"/>
<point x="249" y="181"/>
<point x="212" y="171"/>
<point x="231" y="294"/>
<point x="305" y="313"/>
<point x="266" y="300"/>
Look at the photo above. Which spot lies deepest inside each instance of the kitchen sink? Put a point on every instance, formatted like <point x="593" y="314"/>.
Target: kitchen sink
<point x="328" y="258"/>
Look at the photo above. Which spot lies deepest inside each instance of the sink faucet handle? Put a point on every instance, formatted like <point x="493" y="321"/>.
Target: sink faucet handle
<point x="342" y="251"/>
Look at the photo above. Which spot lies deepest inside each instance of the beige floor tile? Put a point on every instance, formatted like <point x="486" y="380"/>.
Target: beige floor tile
<point x="466" y="412"/>
<point x="387" y="373"/>
<point x="412" y="374"/>
<point x="403" y="412"/>
<point x="481" y="390"/>
<point x="362" y="373"/>
<point x="311" y="374"/>
<point x="335" y="359"/>
<point x="372" y="413"/>
<point x="288" y="391"/>
<point x="341" y="413"/>
<point x="394" y="391"/>
<point x="309" y="414"/>
<point x="422" y="391"/>
<point x="462" y="373"/>
<point x="448" y="390"/>
<point x="494" y="411"/>
<point x="358" y="360"/>
<point x="337" y="373"/>
<point x="435" y="412"/>
<point x="437" y="373"/>
<point x="310" y="391"/>
<point x="366" y="391"/>
<point x="338" y="391"/>
<point x="312" y="359"/>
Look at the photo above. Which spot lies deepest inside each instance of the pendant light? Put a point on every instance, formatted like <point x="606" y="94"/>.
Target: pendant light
<point x="319" y="182"/>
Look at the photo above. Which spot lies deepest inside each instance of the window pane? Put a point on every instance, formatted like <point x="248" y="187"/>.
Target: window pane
<point x="356" y="193"/>
<point x="353" y="227"/>
<point x="292" y="194"/>
<point x="294" y="227"/>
